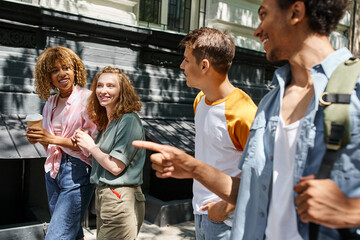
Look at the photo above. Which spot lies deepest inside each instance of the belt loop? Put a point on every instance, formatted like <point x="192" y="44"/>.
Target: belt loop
<point x="66" y="157"/>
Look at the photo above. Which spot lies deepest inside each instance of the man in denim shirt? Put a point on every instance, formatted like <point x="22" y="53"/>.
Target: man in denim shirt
<point x="286" y="142"/>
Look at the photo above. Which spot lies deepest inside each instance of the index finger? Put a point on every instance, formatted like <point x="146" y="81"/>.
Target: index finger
<point x="78" y="130"/>
<point x="34" y="128"/>
<point x="148" y="145"/>
<point x="301" y="186"/>
<point x="309" y="177"/>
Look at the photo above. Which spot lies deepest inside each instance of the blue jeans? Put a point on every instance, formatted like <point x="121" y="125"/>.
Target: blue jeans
<point x="69" y="196"/>
<point x="205" y="229"/>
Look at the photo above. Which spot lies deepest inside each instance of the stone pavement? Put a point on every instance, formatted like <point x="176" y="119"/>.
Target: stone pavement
<point x="151" y="231"/>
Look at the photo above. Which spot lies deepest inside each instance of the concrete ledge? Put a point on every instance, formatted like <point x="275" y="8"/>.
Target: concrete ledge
<point x="163" y="213"/>
<point x="25" y="231"/>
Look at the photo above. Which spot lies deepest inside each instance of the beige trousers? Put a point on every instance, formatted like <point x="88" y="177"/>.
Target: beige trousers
<point x="120" y="212"/>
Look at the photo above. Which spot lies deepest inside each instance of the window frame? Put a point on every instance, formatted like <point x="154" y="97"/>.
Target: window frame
<point x="197" y="16"/>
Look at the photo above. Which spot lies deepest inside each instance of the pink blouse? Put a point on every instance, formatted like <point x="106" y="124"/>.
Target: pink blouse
<point x="58" y="116"/>
<point x="75" y="117"/>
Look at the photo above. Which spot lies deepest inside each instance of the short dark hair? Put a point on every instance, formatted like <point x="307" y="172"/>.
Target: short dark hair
<point x="324" y="15"/>
<point x="209" y="43"/>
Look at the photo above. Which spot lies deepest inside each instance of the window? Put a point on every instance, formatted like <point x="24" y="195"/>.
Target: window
<point x="176" y="15"/>
<point x="179" y="15"/>
<point x="150" y="11"/>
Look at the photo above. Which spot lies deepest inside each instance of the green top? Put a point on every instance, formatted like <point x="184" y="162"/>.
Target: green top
<point x="116" y="141"/>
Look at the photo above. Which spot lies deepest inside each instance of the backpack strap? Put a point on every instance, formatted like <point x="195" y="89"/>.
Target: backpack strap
<point x="336" y="100"/>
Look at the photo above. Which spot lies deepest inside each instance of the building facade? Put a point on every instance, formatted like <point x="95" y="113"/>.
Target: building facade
<point x="141" y="37"/>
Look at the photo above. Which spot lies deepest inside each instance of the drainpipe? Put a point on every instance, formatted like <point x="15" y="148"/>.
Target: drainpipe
<point x="353" y="26"/>
<point x="353" y="39"/>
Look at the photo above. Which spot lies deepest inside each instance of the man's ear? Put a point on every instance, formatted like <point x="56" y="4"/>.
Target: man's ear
<point x="298" y="10"/>
<point x="205" y="64"/>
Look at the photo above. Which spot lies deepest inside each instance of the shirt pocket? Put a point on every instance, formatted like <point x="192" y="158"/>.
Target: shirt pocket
<point x="346" y="170"/>
<point x="355" y="113"/>
<point x="355" y="126"/>
<point x="349" y="163"/>
<point x="255" y="152"/>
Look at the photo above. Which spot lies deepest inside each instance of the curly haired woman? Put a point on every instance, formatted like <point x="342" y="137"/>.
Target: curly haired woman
<point x="67" y="166"/>
<point x="117" y="165"/>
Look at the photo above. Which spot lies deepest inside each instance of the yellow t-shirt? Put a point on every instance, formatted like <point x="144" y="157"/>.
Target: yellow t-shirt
<point x="222" y="129"/>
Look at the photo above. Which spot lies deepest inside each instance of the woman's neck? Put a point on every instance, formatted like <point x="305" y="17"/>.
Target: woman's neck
<point x="66" y="93"/>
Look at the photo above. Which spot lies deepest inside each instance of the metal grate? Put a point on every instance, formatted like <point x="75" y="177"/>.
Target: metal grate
<point x="179" y="15"/>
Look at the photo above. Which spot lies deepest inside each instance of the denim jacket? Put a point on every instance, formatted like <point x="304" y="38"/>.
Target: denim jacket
<point x="257" y="160"/>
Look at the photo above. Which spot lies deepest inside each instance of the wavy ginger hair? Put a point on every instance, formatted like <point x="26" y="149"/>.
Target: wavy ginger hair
<point x="45" y="63"/>
<point x="128" y="101"/>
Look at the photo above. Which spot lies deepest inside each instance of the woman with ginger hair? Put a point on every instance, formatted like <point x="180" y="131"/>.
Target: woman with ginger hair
<point x="67" y="166"/>
<point x="117" y="165"/>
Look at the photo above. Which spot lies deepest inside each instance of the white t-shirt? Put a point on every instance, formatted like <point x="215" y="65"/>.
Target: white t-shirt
<point x="281" y="223"/>
<point x="222" y="129"/>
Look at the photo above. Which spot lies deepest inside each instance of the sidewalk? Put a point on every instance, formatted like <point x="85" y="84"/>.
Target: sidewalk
<point x="151" y="231"/>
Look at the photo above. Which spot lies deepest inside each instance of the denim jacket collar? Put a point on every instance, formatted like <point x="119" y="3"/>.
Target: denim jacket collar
<point x="256" y="163"/>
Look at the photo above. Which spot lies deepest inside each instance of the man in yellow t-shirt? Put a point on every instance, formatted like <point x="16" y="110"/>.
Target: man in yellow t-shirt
<point x="223" y="116"/>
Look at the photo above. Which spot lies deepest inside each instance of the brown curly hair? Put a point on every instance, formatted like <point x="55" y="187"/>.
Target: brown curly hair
<point x="128" y="102"/>
<point x="45" y="63"/>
